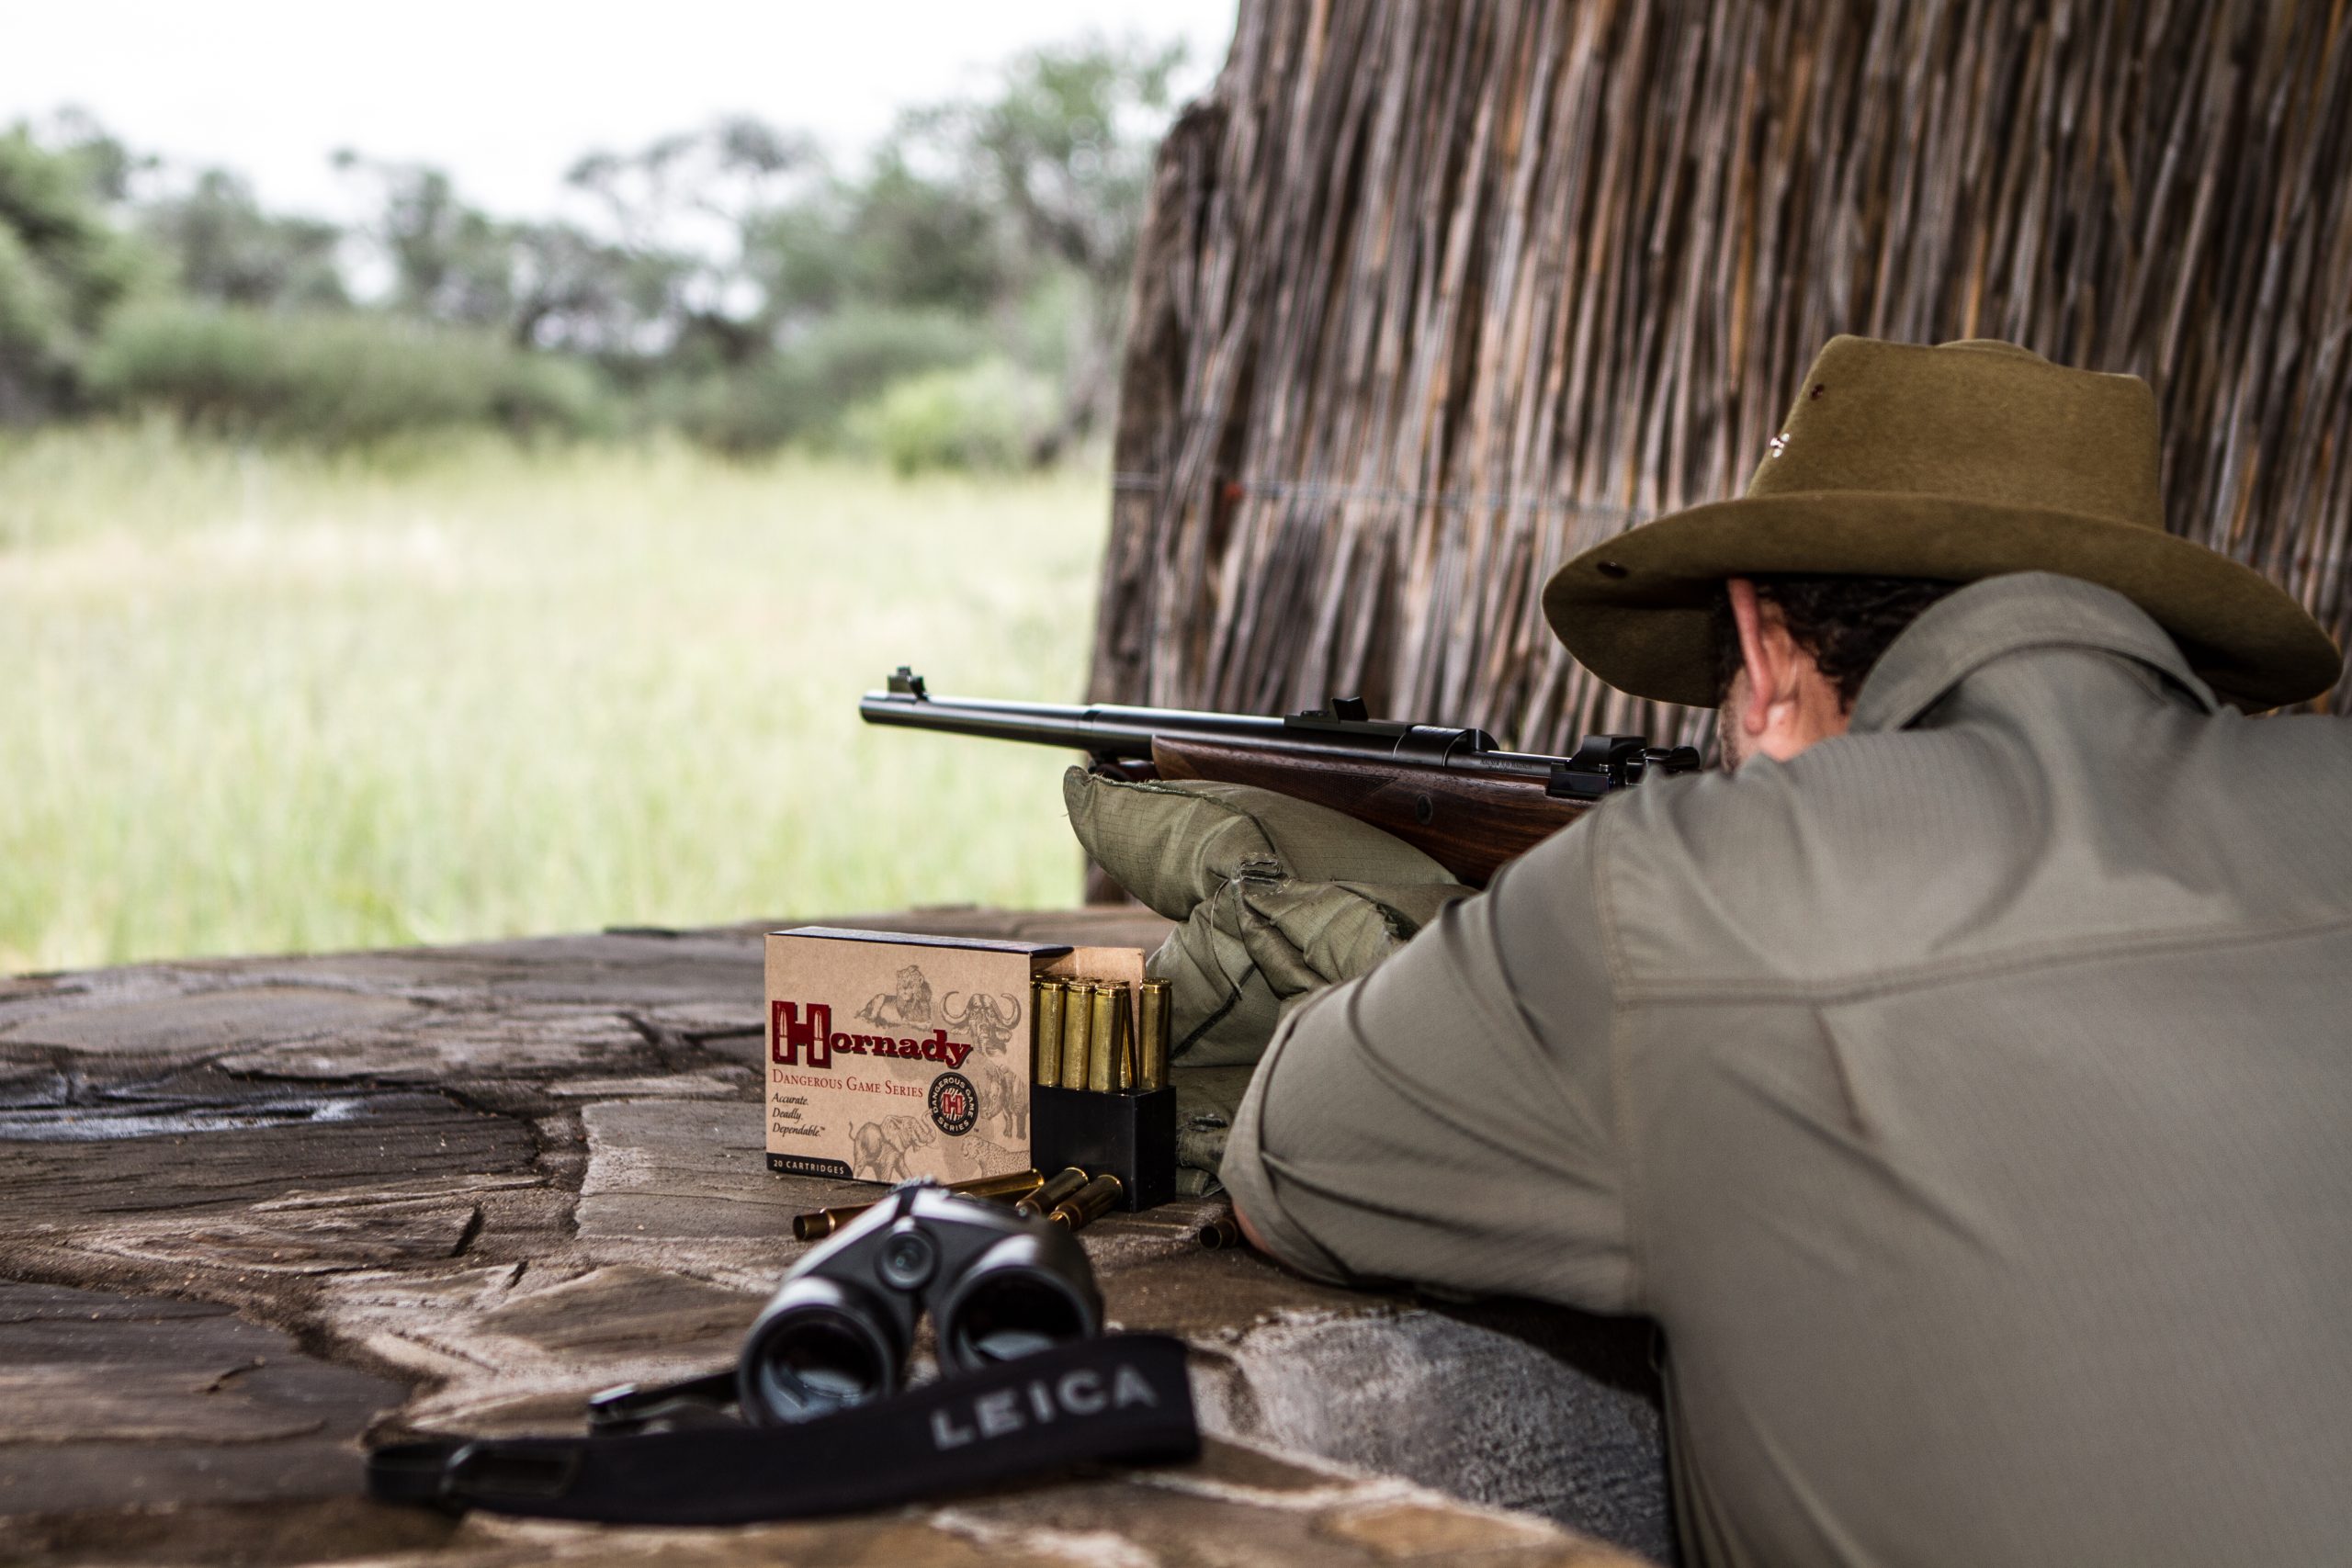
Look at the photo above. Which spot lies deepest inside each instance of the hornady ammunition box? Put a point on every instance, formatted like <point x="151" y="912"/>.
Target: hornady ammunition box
<point x="894" y="1057"/>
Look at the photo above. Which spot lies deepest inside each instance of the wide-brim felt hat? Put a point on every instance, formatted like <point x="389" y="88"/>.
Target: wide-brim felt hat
<point x="1959" y="462"/>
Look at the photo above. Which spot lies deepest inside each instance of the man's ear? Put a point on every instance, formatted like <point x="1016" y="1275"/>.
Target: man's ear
<point x="1769" y="654"/>
<point x="1787" y="703"/>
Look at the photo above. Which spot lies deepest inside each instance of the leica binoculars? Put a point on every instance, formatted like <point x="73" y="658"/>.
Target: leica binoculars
<point x="998" y="1285"/>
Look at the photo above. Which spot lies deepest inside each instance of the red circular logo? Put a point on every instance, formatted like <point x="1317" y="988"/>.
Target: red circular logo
<point x="954" y="1104"/>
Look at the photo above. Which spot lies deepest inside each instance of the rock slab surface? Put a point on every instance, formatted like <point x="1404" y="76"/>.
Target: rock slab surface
<point x="264" y="1211"/>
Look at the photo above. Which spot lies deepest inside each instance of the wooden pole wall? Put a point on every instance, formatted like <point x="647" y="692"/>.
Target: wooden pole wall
<point x="1433" y="296"/>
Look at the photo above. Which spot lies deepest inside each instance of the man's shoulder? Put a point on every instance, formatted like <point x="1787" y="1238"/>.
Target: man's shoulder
<point x="1799" y="870"/>
<point x="1876" y="853"/>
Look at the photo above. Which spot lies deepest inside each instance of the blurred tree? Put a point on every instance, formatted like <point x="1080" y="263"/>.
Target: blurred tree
<point x="546" y="285"/>
<point x="732" y="169"/>
<point x="684" y="207"/>
<point x="799" y="255"/>
<point x="1063" y="153"/>
<point x="574" y="291"/>
<point x="450" y="262"/>
<point x="915" y="239"/>
<point x="227" y="251"/>
<point x="1065" y="150"/>
<point x="64" y="264"/>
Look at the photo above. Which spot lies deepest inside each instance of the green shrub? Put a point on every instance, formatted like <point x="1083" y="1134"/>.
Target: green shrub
<point x="800" y="392"/>
<point x="62" y="268"/>
<point x="986" y="416"/>
<point x="36" y="321"/>
<point x="331" y="379"/>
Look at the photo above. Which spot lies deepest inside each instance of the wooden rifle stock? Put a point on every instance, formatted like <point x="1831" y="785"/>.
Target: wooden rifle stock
<point x="1469" y="825"/>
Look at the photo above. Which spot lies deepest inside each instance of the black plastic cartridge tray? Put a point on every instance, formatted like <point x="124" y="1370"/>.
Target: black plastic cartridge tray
<point x="1133" y="1137"/>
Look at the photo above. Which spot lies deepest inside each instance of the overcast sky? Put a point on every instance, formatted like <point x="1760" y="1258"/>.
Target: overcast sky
<point x="506" y="93"/>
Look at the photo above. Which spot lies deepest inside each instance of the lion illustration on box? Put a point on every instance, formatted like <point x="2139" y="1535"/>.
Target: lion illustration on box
<point x="908" y="1005"/>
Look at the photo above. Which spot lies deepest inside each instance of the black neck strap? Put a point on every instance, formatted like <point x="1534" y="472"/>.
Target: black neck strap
<point x="1121" y="1397"/>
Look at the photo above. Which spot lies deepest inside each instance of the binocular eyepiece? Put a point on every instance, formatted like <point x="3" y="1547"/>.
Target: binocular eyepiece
<point x="997" y="1286"/>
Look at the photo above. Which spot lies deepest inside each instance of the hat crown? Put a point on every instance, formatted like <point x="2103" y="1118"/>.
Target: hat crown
<point x="1978" y="420"/>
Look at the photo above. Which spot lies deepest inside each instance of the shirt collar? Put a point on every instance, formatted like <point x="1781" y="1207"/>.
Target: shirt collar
<point x="1958" y="634"/>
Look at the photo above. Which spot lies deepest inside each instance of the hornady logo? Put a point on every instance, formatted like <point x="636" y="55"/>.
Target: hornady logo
<point x="1002" y="1412"/>
<point x="789" y="1034"/>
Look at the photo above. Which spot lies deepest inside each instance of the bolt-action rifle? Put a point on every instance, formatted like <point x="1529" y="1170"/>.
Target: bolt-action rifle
<point x="1452" y="793"/>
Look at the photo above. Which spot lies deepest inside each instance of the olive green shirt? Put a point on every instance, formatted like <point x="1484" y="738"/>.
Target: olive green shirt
<point x="1969" y="1100"/>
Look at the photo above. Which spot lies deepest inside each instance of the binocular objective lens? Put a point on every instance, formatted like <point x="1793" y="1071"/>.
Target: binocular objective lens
<point x="818" y="1349"/>
<point x="1008" y="1315"/>
<point x="820" y="1365"/>
<point x="828" y="1361"/>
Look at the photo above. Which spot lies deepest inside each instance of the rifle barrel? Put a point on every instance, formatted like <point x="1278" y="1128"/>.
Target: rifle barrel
<point x="1107" y="731"/>
<point x="1102" y="730"/>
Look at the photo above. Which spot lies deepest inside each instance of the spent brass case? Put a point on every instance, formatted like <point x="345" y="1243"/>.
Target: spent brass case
<point x="1077" y="1018"/>
<point x="1102" y="1039"/>
<point x="1012" y="1184"/>
<point x="1087" y="1204"/>
<point x="1219" y="1232"/>
<point x="1045" y="1030"/>
<point x="819" y="1224"/>
<point x="1060" y="1185"/>
<point x="1151" y="1034"/>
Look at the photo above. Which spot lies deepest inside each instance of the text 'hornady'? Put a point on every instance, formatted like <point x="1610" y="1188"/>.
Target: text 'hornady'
<point x="789" y="1033"/>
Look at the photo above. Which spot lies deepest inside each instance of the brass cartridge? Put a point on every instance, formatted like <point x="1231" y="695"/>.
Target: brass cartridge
<point x="1069" y="1180"/>
<point x="1087" y="1202"/>
<point x="1151" y="1034"/>
<point x="1123" y="1061"/>
<point x="1077" y="1018"/>
<point x="1102" y="1038"/>
<point x="1217" y="1233"/>
<point x="819" y="1224"/>
<point x="1122" y="1055"/>
<point x="1045" y="1030"/>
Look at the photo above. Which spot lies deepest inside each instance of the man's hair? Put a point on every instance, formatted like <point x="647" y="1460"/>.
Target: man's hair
<point x="1846" y="623"/>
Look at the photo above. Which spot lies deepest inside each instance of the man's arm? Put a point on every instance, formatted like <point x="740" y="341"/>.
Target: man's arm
<point x="1449" y="1119"/>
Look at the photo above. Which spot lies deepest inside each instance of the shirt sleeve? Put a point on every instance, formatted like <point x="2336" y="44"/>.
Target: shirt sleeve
<point x="1450" y="1119"/>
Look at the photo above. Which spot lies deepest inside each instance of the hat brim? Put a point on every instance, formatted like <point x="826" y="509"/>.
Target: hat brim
<point x="1637" y="610"/>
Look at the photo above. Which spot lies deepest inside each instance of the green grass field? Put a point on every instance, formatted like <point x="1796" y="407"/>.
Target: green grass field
<point x="255" y="701"/>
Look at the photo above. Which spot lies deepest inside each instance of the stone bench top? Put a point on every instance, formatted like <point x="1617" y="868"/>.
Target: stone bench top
<point x="262" y="1208"/>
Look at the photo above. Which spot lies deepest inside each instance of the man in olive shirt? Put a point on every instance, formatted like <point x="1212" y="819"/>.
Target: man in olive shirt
<point x="1965" y="1082"/>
